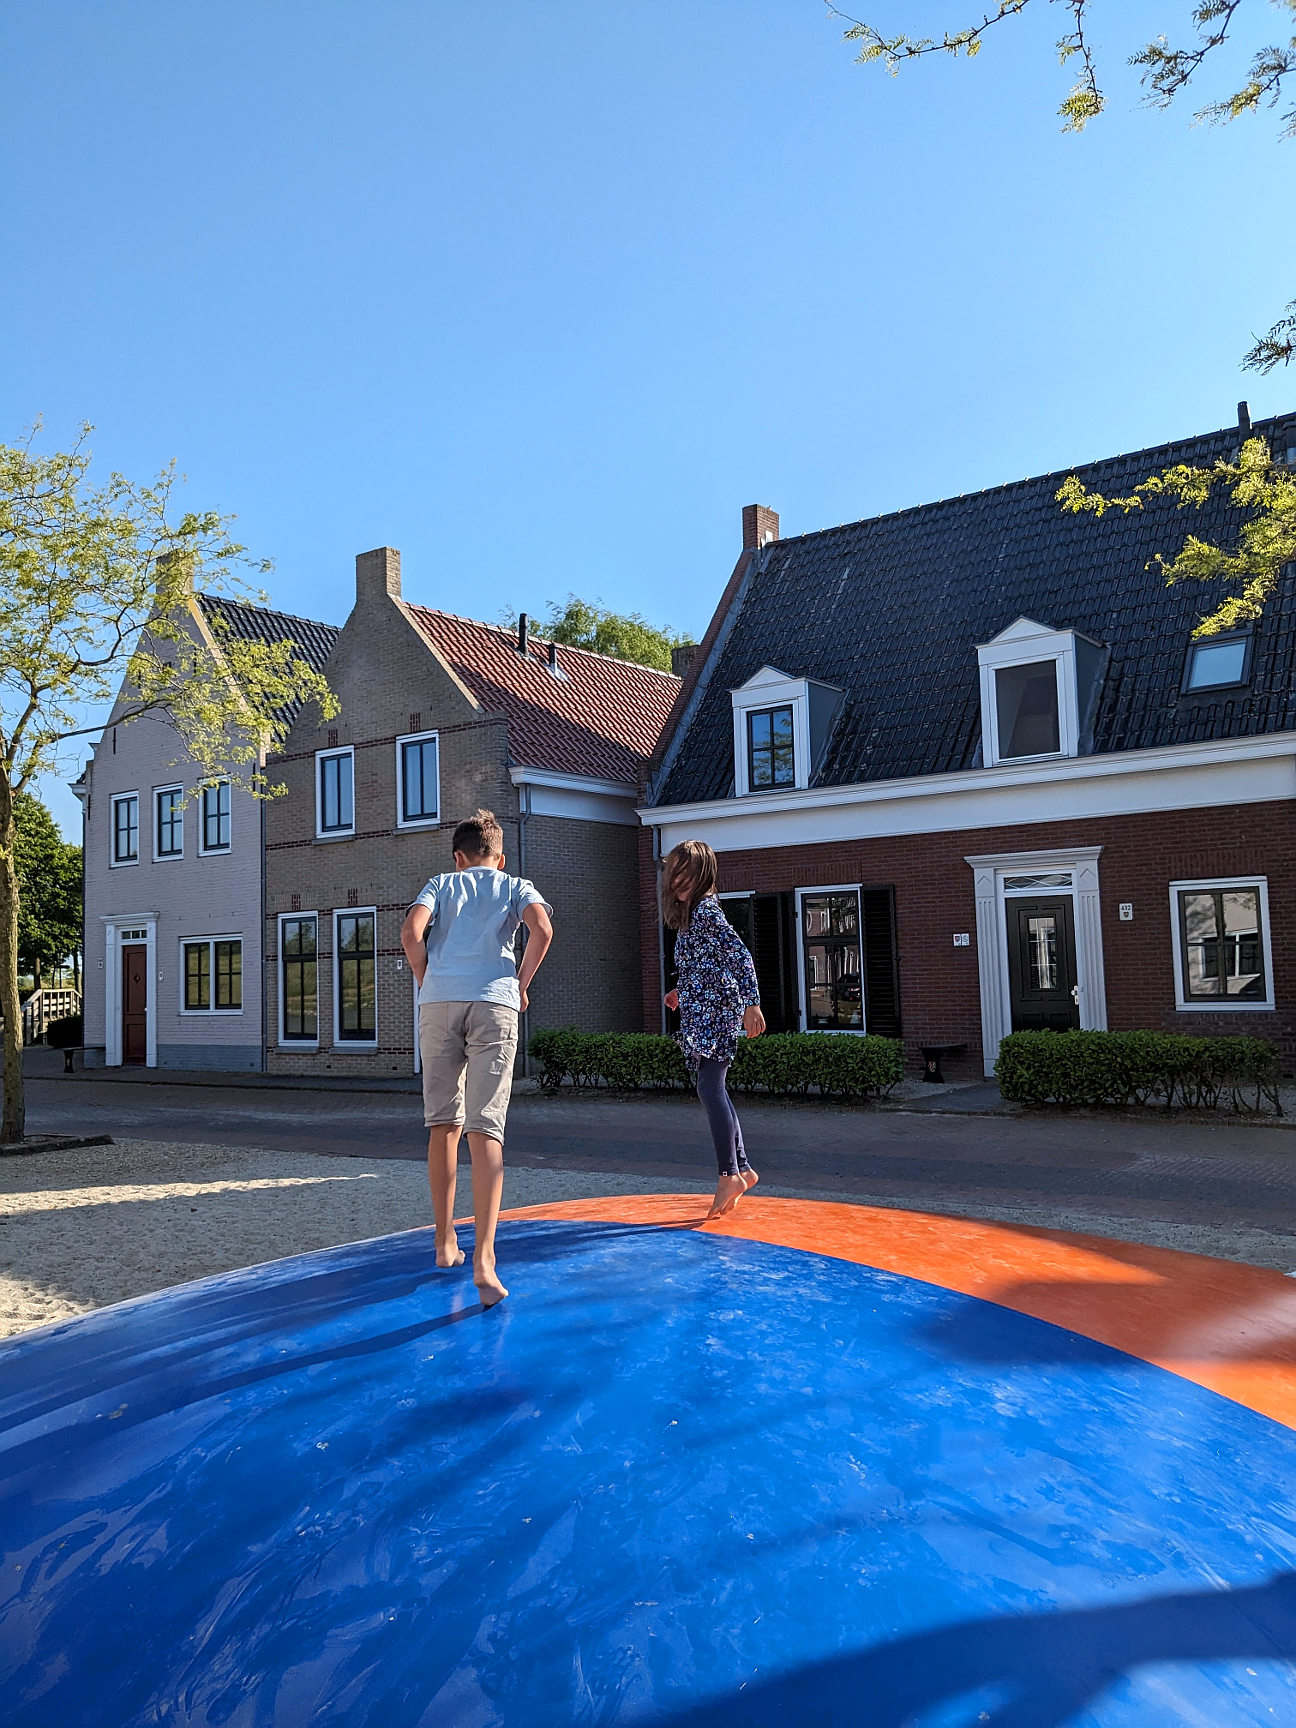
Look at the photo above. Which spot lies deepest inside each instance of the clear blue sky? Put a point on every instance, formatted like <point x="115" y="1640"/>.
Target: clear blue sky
<point x="543" y="291"/>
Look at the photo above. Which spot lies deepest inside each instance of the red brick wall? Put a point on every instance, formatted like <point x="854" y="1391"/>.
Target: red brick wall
<point x="1142" y="855"/>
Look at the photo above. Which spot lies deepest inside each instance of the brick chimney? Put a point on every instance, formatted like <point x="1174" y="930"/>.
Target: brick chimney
<point x="760" y="526"/>
<point x="683" y="657"/>
<point x="378" y="575"/>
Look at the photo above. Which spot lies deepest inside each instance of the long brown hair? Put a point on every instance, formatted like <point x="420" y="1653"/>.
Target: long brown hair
<point x="691" y="864"/>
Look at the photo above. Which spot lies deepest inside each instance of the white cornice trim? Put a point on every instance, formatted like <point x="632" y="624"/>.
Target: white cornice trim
<point x="1075" y="769"/>
<point x="523" y="776"/>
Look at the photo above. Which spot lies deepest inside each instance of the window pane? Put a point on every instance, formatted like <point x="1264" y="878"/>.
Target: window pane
<point x="335" y="793"/>
<point x="833" y="971"/>
<point x="216" y="817"/>
<point x="229" y="975"/>
<point x="1042" y="951"/>
<point x="356" y="1016"/>
<point x="1049" y="879"/>
<point x="197" y="965"/>
<point x="1027" y="709"/>
<point x="771" y="757"/>
<point x="1243" y="951"/>
<point x="170" y="825"/>
<point x="1223" y="945"/>
<point x="419" y="781"/>
<point x="126" y="830"/>
<point x="297" y="960"/>
<point x="1216" y="663"/>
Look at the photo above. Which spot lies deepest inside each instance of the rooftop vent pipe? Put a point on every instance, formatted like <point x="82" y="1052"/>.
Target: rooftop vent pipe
<point x="553" y="657"/>
<point x="1244" y="418"/>
<point x="522" y="632"/>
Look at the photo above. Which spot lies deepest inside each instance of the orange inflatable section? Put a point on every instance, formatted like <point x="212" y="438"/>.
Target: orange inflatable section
<point x="1226" y="1326"/>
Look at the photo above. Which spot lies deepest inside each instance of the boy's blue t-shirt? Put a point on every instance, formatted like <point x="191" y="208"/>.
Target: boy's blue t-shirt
<point x="475" y="916"/>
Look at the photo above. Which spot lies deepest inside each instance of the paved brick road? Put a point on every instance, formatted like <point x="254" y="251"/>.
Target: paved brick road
<point x="1233" y="1176"/>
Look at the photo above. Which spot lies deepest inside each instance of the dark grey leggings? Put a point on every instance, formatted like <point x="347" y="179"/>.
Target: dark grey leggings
<point x="725" y="1128"/>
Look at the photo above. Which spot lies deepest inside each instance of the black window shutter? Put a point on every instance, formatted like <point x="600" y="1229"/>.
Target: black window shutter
<point x="767" y="924"/>
<point x="881" y="971"/>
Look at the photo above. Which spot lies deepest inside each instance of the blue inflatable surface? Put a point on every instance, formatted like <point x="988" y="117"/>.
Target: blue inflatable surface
<point x="675" y="1479"/>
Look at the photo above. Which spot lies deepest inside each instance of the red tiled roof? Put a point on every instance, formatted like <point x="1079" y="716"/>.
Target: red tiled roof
<point x="601" y="719"/>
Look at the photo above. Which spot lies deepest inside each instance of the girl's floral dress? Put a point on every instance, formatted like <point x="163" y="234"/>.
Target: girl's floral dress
<point x="717" y="981"/>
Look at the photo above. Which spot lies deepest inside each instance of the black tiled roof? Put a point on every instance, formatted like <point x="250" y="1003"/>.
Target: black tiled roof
<point x="891" y="610"/>
<point x="314" y="640"/>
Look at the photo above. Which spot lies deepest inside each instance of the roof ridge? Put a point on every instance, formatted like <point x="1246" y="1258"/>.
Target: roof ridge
<point x="1271" y="420"/>
<point x="568" y="647"/>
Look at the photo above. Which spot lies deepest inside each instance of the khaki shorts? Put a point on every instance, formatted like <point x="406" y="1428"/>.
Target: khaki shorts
<point x="467" y="1051"/>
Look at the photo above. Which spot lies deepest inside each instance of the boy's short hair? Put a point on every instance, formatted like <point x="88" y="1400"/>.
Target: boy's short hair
<point x="479" y="835"/>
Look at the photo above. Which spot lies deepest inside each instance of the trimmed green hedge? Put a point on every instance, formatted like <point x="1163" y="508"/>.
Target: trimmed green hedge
<point x="1092" y="1068"/>
<point x="786" y="1064"/>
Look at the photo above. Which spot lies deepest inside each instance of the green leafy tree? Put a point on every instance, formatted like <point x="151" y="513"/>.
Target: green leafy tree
<point x="1266" y="490"/>
<point x="97" y="605"/>
<point x="620" y="635"/>
<point x="48" y="868"/>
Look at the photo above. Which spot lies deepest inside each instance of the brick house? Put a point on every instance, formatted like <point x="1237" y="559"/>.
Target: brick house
<point x="173" y="910"/>
<point x="967" y="772"/>
<point x="440" y="714"/>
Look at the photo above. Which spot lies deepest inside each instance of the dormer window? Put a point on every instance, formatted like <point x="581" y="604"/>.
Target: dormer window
<point x="1217" y="662"/>
<point x="1037" y="685"/>
<point x="781" y="730"/>
<point x="771" y="753"/>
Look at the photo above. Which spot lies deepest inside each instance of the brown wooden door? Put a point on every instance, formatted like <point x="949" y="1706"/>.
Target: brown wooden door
<point x="135" y="1003"/>
<point x="1041" y="965"/>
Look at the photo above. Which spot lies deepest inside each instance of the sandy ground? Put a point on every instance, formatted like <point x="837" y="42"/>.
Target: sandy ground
<point x="83" y="1228"/>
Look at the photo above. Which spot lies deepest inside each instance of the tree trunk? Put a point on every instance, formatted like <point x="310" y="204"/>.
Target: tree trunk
<point x="14" y="1121"/>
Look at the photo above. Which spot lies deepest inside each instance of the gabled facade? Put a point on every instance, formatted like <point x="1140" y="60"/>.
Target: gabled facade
<point x="441" y="714"/>
<point x="967" y="771"/>
<point x="173" y="909"/>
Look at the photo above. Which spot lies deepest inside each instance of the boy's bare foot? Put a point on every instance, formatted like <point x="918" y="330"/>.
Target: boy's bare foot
<point x="729" y="1189"/>
<point x="449" y="1253"/>
<point x="489" y="1289"/>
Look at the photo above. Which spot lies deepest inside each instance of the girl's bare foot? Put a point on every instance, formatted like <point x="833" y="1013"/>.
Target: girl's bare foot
<point x="728" y="1191"/>
<point x="449" y="1253"/>
<point x="489" y="1289"/>
<point x="750" y="1178"/>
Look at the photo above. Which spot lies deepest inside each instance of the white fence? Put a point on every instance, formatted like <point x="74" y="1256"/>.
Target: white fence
<point x="42" y="1006"/>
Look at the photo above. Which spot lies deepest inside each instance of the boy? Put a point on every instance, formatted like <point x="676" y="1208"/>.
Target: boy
<point x="458" y="938"/>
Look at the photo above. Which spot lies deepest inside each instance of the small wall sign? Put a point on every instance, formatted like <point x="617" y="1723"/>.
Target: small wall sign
<point x="1127" y="911"/>
<point x="962" y="939"/>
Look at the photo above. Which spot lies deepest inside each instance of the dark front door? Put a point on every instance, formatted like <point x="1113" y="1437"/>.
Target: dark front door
<point x="134" y="1003"/>
<point x="1041" y="965"/>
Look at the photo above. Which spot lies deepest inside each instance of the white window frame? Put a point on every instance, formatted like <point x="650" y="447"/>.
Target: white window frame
<point x="419" y="821"/>
<point x="1025" y="643"/>
<point x="803" y="1005"/>
<point x="204" y="850"/>
<point x="181" y="979"/>
<point x="339" y="1042"/>
<point x="284" y="1042"/>
<point x="114" y="862"/>
<point x="770" y="688"/>
<point x="321" y="832"/>
<point x="167" y="857"/>
<point x="1222" y="1004"/>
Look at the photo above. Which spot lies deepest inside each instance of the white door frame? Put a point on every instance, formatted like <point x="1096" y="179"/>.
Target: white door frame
<point x="989" y="871"/>
<point x="113" y="927"/>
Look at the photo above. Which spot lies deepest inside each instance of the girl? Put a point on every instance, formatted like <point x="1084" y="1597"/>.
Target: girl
<point x="717" y="995"/>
